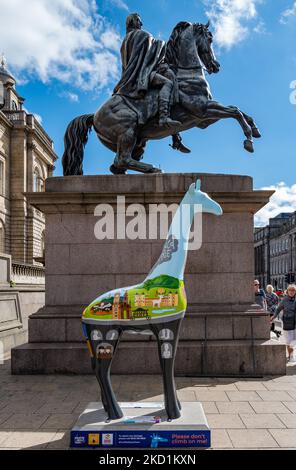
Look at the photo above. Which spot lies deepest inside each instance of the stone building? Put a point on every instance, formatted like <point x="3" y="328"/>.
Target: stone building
<point x="275" y="251"/>
<point x="26" y="159"/>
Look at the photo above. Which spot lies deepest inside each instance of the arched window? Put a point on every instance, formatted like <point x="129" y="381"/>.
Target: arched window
<point x="2" y="237"/>
<point x="14" y="105"/>
<point x="38" y="182"/>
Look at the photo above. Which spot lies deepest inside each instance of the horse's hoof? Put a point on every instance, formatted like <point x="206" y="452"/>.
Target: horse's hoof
<point x="248" y="145"/>
<point x="117" y="171"/>
<point x="256" y="132"/>
<point x="154" y="170"/>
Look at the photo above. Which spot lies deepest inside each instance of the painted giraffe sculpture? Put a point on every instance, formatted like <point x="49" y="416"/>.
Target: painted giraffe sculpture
<point x="157" y="306"/>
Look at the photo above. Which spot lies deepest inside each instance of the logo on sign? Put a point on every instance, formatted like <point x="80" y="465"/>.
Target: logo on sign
<point x="79" y="439"/>
<point x="107" y="439"/>
<point x="93" y="439"/>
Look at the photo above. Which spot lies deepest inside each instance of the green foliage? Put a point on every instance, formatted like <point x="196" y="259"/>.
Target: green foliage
<point x="162" y="281"/>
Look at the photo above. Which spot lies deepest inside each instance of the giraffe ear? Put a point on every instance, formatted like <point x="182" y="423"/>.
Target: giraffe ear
<point x="191" y="189"/>
<point x="198" y="185"/>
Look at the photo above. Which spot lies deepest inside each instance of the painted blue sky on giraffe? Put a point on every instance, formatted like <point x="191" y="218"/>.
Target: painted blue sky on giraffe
<point x="66" y="59"/>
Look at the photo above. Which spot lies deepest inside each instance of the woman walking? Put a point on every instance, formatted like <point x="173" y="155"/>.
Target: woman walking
<point x="272" y="301"/>
<point x="288" y="306"/>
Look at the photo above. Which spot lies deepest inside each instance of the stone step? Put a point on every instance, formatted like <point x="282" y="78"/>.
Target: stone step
<point x="242" y="358"/>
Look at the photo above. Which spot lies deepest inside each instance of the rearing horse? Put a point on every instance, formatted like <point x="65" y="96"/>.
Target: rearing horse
<point x="124" y="125"/>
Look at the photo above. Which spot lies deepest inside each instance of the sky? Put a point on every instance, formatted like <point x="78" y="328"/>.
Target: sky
<point x="65" y="56"/>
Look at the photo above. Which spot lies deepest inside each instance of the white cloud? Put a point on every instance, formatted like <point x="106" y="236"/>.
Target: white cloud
<point x="120" y="4"/>
<point x="283" y="200"/>
<point x="67" y="40"/>
<point x="70" y="96"/>
<point x="230" y="19"/>
<point x="288" y="13"/>
<point x="38" y="117"/>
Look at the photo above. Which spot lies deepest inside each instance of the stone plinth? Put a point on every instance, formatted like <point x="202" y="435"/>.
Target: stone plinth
<point x="222" y="333"/>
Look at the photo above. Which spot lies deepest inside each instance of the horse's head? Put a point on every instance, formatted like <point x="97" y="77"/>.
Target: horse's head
<point x="199" y="198"/>
<point x="204" y="40"/>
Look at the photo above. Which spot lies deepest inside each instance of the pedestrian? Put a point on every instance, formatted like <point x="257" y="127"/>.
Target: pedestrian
<point x="272" y="302"/>
<point x="260" y="297"/>
<point x="288" y="307"/>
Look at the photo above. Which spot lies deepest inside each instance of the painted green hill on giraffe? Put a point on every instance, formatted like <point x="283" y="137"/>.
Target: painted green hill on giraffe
<point x="162" y="281"/>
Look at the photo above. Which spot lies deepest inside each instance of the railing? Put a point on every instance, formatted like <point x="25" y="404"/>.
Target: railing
<point x="15" y="116"/>
<point x="27" y="274"/>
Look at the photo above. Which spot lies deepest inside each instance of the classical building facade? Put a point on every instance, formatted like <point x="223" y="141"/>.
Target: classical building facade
<point x="26" y="160"/>
<point x="275" y="251"/>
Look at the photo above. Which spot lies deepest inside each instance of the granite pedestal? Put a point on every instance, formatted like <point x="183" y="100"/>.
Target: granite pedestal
<point x="223" y="332"/>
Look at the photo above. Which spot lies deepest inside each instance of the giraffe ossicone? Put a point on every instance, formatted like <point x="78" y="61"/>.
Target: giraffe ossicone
<point x="157" y="305"/>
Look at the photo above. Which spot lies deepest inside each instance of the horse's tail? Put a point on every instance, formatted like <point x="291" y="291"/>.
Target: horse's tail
<point x="76" y="137"/>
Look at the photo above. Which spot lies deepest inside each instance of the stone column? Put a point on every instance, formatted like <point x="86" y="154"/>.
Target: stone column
<point x="223" y="332"/>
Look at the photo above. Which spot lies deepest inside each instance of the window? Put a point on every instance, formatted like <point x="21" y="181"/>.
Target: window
<point x="38" y="183"/>
<point x="2" y="237"/>
<point x="14" y="105"/>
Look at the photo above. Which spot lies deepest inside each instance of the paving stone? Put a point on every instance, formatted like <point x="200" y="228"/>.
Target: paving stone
<point x="58" y="407"/>
<point x="234" y="407"/>
<point x="285" y="437"/>
<point x="244" y="396"/>
<point x="225" y="421"/>
<point x="269" y="407"/>
<point x="280" y="386"/>
<point x="186" y="395"/>
<point x="220" y="439"/>
<point x="291" y="405"/>
<point x="261" y="421"/>
<point x="288" y="419"/>
<point x="24" y="421"/>
<point x="251" y="438"/>
<point x="61" y="440"/>
<point x="292" y="394"/>
<point x="4" y="417"/>
<point x="275" y="396"/>
<point x="223" y="387"/>
<point x="3" y="436"/>
<point x="209" y="407"/>
<point x="250" y="386"/>
<point x="60" y="421"/>
<point x="22" y="407"/>
<point x="26" y="439"/>
<point x="211" y="395"/>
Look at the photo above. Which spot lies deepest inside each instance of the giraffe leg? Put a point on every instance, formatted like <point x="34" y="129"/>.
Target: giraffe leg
<point x="104" y="353"/>
<point x="167" y="338"/>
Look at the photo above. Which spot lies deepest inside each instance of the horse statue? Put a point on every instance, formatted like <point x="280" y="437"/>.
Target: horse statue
<point x="124" y="125"/>
<point x="156" y="306"/>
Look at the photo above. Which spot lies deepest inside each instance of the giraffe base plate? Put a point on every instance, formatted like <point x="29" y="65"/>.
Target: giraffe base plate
<point x="143" y="425"/>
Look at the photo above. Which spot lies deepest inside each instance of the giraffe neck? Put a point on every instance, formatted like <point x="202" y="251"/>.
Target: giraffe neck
<point x="173" y="257"/>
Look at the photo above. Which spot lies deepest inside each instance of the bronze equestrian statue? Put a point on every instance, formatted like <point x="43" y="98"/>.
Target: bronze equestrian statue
<point x="163" y="91"/>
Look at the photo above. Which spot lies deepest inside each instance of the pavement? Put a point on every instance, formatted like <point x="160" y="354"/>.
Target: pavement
<point x="37" y="412"/>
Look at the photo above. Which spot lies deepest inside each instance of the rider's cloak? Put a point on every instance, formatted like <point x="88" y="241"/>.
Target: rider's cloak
<point x="140" y="55"/>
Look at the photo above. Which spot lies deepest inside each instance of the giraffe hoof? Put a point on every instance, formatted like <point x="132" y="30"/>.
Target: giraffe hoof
<point x="248" y="145"/>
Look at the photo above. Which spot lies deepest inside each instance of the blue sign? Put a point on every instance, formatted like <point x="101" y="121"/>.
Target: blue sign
<point x="141" y="439"/>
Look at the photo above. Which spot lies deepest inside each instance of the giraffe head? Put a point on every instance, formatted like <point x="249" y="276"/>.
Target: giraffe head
<point x="199" y="198"/>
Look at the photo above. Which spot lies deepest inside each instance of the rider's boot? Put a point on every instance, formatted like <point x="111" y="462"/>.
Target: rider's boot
<point x="164" y="106"/>
<point x="164" y="118"/>
<point x="177" y="144"/>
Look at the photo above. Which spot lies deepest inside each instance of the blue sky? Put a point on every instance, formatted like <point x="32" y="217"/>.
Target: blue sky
<point x="254" y="43"/>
